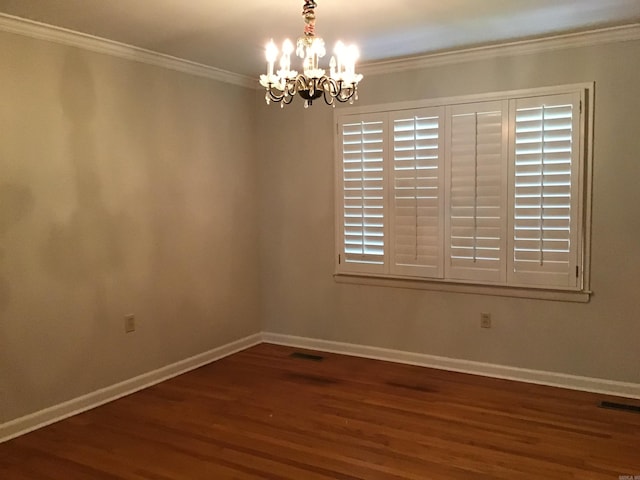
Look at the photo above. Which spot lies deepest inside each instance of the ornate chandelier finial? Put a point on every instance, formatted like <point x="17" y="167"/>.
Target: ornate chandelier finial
<point x="282" y="86"/>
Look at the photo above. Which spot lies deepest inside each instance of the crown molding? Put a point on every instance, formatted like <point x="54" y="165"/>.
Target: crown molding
<point x="522" y="47"/>
<point x="42" y="31"/>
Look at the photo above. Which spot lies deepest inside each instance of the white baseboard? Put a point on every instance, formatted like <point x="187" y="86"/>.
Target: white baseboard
<point x="587" y="384"/>
<point x="53" y="414"/>
<point x="50" y="415"/>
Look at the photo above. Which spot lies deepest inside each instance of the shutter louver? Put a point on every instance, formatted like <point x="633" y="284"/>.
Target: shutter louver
<point x="545" y="154"/>
<point x="417" y="193"/>
<point x="477" y="153"/>
<point x="363" y="152"/>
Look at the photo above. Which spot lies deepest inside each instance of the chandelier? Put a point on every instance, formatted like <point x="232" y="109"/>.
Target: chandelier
<point x="282" y="86"/>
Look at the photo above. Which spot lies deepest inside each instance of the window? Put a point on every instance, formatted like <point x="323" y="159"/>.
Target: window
<point x="487" y="191"/>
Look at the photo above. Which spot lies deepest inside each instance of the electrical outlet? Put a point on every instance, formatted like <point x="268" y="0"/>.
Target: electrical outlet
<point x="129" y="323"/>
<point x="485" y="320"/>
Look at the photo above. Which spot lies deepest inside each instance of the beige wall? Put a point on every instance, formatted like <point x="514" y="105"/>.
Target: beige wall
<point x="127" y="188"/>
<point x="300" y="297"/>
<point x="124" y="188"/>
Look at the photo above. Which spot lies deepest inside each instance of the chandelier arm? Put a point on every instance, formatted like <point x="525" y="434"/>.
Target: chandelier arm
<point x="340" y="91"/>
<point x="329" y="90"/>
<point x="274" y="97"/>
<point x="328" y="99"/>
<point x="291" y="87"/>
<point x="345" y="94"/>
<point x="301" y="83"/>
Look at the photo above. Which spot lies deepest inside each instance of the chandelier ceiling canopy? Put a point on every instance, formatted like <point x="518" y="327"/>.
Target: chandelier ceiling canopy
<point x="340" y="84"/>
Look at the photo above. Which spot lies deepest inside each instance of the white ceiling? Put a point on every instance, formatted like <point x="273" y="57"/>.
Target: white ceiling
<point x="230" y="35"/>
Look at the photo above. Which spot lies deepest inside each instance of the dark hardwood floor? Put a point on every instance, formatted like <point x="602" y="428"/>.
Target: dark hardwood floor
<point x="263" y="414"/>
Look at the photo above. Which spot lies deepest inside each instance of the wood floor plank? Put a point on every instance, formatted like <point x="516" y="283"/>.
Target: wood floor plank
<point x="262" y="414"/>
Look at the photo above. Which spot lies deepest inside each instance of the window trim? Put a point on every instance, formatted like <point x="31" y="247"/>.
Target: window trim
<point x="585" y="188"/>
<point x="452" y="286"/>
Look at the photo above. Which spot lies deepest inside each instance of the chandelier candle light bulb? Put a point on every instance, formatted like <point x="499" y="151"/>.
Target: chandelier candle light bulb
<point x="271" y="54"/>
<point x="285" y="61"/>
<point x="313" y="83"/>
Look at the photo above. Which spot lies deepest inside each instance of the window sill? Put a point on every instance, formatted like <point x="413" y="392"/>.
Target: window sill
<point x="448" y="286"/>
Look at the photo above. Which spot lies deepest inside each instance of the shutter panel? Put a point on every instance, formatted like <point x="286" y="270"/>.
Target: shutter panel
<point x="362" y="144"/>
<point x="545" y="182"/>
<point x="417" y="193"/>
<point x="477" y="156"/>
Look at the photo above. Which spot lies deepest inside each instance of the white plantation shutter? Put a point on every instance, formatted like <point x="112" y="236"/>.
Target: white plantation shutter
<point x="416" y="192"/>
<point x="477" y="199"/>
<point x="546" y="169"/>
<point x="363" y="150"/>
<point x="485" y="190"/>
